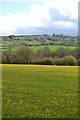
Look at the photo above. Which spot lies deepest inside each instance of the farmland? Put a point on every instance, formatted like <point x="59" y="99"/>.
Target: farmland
<point x="52" y="48"/>
<point x="40" y="91"/>
<point x="38" y="41"/>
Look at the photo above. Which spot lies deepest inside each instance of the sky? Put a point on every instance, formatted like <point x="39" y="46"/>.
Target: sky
<point x="19" y="17"/>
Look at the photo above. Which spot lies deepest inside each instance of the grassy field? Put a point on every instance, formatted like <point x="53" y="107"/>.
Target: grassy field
<point x="52" y="48"/>
<point x="40" y="91"/>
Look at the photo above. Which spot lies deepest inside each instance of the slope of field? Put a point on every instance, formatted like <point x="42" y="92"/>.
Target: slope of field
<point x="40" y="91"/>
<point x="53" y="48"/>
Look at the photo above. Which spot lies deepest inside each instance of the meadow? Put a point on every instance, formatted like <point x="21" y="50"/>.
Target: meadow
<point x="35" y="91"/>
<point x="51" y="47"/>
<point x="38" y="42"/>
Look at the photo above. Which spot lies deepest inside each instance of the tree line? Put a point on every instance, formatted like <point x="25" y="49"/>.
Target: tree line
<point x="26" y="55"/>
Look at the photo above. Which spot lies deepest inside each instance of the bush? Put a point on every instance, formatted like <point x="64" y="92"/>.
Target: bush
<point x="44" y="61"/>
<point x="69" y="60"/>
<point x="24" y="55"/>
<point x="76" y="53"/>
<point x="78" y="62"/>
<point x="58" y="61"/>
<point x="48" y="61"/>
<point x="0" y="57"/>
<point x="6" y="57"/>
<point x="62" y="52"/>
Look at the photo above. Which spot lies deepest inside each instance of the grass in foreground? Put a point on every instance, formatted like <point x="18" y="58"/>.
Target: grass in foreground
<point x="40" y="91"/>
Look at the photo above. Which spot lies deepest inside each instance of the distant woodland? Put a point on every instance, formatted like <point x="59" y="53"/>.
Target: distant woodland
<point x="20" y="50"/>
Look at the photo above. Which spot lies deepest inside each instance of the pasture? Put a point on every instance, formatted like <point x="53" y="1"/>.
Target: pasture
<point x="51" y="47"/>
<point x="39" y="91"/>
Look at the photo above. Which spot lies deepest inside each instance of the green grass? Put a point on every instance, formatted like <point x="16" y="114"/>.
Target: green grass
<point x="53" y="48"/>
<point x="19" y="42"/>
<point x="40" y="91"/>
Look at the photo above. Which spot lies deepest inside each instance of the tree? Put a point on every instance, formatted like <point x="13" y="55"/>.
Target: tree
<point x="0" y="57"/>
<point x="76" y="53"/>
<point x="69" y="60"/>
<point x="62" y="52"/>
<point x="6" y="57"/>
<point x="24" y="54"/>
<point x="45" y="52"/>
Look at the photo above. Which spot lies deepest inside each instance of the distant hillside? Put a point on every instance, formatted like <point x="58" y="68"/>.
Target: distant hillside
<point x="39" y="40"/>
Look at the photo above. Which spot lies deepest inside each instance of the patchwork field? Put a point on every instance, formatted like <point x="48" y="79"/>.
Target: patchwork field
<point x="54" y="48"/>
<point x="10" y="46"/>
<point x="40" y="91"/>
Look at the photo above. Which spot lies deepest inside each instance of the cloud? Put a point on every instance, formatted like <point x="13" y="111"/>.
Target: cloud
<point x="55" y="14"/>
<point x="67" y="8"/>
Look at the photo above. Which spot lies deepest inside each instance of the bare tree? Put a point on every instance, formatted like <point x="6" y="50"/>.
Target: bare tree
<point x="24" y="54"/>
<point x="6" y="57"/>
<point x="44" y="52"/>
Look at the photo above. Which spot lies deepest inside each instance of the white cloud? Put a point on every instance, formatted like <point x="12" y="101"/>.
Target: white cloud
<point x="67" y="8"/>
<point x="63" y="24"/>
<point x="39" y="16"/>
